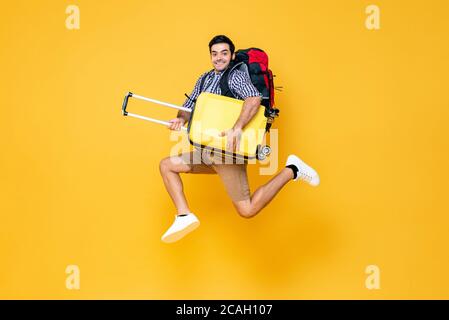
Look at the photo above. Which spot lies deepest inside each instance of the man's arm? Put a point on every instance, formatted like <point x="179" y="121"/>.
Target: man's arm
<point x="242" y="86"/>
<point x="184" y="115"/>
<point x="249" y="110"/>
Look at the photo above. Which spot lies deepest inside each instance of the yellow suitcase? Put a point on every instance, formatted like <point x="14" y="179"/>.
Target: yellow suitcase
<point x="212" y="115"/>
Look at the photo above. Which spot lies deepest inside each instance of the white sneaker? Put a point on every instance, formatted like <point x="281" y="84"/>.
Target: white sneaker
<point x="182" y="226"/>
<point x="305" y="172"/>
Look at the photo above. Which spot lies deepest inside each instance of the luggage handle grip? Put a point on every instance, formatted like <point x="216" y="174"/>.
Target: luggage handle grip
<point x="125" y="103"/>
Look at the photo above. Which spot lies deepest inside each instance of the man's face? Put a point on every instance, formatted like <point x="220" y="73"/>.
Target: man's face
<point x="221" y="56"/>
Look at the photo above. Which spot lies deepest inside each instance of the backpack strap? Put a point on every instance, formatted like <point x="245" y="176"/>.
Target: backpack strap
<point x="226" y="91"/>
<point x="203" y="80"/>
<point x="224" y="81"/>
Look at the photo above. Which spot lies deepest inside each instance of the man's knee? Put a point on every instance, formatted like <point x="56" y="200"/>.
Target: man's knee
<point x="165" y="165"/>
<point x="173" y="164"/>
<point x="245" y="209"/>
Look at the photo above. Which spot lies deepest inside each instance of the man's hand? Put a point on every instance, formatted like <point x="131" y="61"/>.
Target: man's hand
<point x="234" y="135"/>
<point x="176" y="124"/>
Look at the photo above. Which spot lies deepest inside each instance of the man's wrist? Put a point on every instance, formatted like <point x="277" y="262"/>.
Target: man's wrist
<point x="182" y="115"/>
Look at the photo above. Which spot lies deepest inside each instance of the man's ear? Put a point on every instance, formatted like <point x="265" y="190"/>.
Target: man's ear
<point x="233" y="56"/>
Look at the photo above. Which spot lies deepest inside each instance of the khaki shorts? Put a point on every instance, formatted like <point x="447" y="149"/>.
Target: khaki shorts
<point x="233" y="175"/>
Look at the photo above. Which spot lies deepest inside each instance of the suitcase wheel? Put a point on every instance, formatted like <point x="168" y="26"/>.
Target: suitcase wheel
<point x="263" y="152"/>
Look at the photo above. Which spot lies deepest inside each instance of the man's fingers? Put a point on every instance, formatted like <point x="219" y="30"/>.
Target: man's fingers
<point x="174" y="124"/>
<point x="231" y="143"/>
<point x="237" y="145"/>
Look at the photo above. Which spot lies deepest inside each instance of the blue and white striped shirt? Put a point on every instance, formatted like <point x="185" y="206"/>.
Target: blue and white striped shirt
<point x="239" y="83"/>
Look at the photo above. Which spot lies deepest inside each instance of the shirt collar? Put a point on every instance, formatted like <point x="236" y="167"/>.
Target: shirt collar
<point x="214" y="72"/>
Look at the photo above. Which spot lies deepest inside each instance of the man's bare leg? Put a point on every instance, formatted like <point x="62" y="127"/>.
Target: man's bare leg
<point x="294" y="169"/>
<point x="170" y="169"/>
<point x="264" y="194"/>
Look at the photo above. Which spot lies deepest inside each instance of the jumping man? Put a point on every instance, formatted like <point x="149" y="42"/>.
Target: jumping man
<point x="233" y="175"/>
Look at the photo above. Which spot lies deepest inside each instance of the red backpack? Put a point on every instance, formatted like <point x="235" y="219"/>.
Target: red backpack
<point x="254" y="61"/>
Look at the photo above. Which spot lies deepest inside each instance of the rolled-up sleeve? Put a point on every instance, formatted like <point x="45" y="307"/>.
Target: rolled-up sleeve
<point x="189" y="103"/>
<point x="241" y="85"/>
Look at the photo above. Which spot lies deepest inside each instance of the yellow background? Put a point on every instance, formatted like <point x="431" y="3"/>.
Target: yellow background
<point x="80" y="183"/>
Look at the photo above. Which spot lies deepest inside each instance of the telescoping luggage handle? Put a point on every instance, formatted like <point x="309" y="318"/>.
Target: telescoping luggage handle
<point x="166" y="123"/>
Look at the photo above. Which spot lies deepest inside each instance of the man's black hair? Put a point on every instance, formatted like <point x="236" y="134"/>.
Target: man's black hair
<point x="221" y="39"/>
